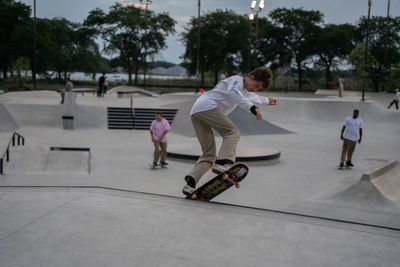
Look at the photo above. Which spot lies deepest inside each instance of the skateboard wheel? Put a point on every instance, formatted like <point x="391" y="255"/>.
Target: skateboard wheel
<point x="237" y="185"/>
<point x="194" y="196"/>
<point x="225" y="176"/>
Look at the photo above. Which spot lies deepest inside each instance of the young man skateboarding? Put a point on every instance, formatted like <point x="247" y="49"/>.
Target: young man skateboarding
<point x="210" y="112"/>
<point x="353" y="127"/>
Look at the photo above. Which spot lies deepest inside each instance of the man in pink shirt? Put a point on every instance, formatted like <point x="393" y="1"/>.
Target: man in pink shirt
<point x="158" y="131"/>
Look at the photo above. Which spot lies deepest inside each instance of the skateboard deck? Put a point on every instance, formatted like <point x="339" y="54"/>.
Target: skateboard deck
<point x="157" y="167"/>
<point x="345" y="167"/>
<point x="232" y="176"/>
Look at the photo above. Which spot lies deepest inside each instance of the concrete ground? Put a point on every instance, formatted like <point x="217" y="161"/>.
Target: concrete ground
<point x="108" y="208"/>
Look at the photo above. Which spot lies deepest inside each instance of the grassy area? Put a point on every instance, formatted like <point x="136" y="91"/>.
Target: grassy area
<point x="173" y="85"/>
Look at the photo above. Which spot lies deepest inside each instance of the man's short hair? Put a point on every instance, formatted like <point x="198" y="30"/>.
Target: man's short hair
<point x="158" y="112"/>
<point x="356" y="110"/>
<point x="262" y="74"/>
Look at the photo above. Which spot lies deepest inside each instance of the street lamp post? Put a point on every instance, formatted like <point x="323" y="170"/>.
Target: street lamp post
<point x="148" y="2"/>
<point x="257" y="10"/>
<point x="34" y="45"/>
<point x="366" y="50"/>
<point x="198" y="47"/>
<point x="386" y="37"/>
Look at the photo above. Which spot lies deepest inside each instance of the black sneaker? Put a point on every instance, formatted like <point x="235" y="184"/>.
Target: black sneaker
<point x="341" y="165"/>
<point x="349" y="164"/>
<point x="154" y="166"/>
<point x="164" y="163"/>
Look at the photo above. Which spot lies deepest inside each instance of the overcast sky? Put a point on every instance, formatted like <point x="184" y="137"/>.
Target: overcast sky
<point x="335" y="11"/>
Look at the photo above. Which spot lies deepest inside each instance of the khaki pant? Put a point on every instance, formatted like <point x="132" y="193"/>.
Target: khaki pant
<point x="348" y="148"/>
<point x="203" y="123"/>
<point x="157" y="146"/>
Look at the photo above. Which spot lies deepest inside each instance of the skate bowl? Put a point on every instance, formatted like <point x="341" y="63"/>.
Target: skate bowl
<point x="244" y="121"/>
<point x="191" y="151"/>
<point x="327" y="110"/>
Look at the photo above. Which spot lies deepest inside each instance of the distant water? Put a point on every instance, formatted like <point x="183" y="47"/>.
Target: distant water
<point x="112" y="77"/>
<point x="120" y="77"/>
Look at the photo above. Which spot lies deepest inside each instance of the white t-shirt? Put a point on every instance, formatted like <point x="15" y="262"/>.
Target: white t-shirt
<point x="341" y="83"/>
<point x="227" y="95"/>
<point x="352" y="128"/>
<point x="397" y="97"/>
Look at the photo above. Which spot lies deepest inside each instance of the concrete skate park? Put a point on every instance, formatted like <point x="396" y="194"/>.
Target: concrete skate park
<point x="75" y="192"/>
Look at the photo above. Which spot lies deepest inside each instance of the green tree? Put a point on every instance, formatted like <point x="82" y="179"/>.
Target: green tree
<point x="333" y="44"/>
<point x="124" y="32"/>
<point x="296" y="30"/>
<point x="19" y="71"/>
<point x="15" y="21"/>
<point x="64" y="46"/>
<point x="224" y="42"/>
<point x="357" y="59"/>
<point x="382" y="66"/>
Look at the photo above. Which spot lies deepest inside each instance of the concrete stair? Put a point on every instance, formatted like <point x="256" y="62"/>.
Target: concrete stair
<point x="140" y="119"/>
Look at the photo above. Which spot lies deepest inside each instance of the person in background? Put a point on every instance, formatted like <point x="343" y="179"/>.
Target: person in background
<point x="68" y="88"/>
<point x="395" y="100"/>
<point x="158" y="131"/>
<point x="341" y="85"/>
<point x="223" y="75"/>
<point x="101" y="84"/>
<point x="105" y="85"/>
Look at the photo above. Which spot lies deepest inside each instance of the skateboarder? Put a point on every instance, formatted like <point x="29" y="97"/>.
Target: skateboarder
<point x="353" y="127"/>
<point x="395" y="100"/>
<point x="158" y="131"/>
<point x="210" y="112"/>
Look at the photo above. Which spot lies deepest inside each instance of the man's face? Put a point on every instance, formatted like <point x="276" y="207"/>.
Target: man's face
<point x="253" y="85"/>
<point x="355" y="114"/>
<point x="158" y="117"/>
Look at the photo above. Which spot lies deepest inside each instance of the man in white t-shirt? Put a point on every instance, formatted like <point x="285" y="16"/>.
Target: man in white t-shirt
<point x="210" y="112"/>
<point x="352" y="130"/>
<point x="395" y="100"/>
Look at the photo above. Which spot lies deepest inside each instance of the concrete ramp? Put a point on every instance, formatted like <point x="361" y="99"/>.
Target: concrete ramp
<point x="386" y="180"/>
<point x="375" y="198"/>
<point x="36" y="115"/>
<point x="379" y="188"/>
<point x="7" y="123"/>
<point x="44" y="160"/>
<point x="327" y="110"/>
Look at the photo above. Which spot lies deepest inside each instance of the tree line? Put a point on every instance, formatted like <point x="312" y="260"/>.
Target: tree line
<point x="286" y="39"/>
<point x="295" y="38"/>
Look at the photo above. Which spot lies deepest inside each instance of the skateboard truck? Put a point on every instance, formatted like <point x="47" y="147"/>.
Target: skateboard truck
<point x="226" y="177"/>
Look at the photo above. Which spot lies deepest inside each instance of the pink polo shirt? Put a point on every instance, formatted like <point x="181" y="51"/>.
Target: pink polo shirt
<point x="158" y="128"/>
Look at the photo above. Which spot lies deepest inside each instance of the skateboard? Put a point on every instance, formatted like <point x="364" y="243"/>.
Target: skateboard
<point x="157" y="167"/>
<point x="345" y="167"/>
<point x="232" y="176"/>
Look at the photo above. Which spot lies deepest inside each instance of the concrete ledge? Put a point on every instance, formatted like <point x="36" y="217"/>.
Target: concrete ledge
<point x="379" y="171"/>
<point x="131" y="92"/>
<point x="253" y="155"/>
<point x="334" y="92"/>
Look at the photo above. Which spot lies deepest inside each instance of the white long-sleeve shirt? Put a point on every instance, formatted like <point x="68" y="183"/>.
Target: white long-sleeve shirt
<point x="227" y="95"/>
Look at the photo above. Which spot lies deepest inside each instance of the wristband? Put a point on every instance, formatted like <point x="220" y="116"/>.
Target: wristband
<point x="253" y="109"/>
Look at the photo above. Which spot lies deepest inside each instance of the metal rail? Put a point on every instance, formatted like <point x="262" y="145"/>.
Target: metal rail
<point x="6" y="154"/>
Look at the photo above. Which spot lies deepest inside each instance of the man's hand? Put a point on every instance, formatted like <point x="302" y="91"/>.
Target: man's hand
<point x="341" y="137"/>
<point x="359" y="140"/>
<point x="258" y="115"/>
<point x="153" y="139"/>
<point x="272" y="101"/>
